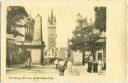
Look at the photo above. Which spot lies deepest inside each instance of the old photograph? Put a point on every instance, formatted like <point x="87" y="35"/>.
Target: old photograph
<point x="0" y="41"/>
<point x="56" y="41"/>
<point x="63" y="42"/>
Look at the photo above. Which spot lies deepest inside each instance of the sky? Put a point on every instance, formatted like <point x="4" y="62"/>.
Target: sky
<point x="65" y="17"/>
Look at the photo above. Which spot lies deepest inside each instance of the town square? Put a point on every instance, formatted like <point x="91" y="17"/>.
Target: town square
<point x="56" y="41"/>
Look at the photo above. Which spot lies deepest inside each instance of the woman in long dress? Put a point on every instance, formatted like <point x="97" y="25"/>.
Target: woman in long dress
<point x="56" y="63"/>
<point x="95" y="67"/>
<point x="89" y="66"/>
<point x="100" y="66"/>
<point x="69" y="64"/>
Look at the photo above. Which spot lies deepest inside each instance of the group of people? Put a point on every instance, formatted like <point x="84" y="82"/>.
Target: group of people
<point x="94" y="66"/>
<point x="49" y="60"/>
<point x="62" y="64"/>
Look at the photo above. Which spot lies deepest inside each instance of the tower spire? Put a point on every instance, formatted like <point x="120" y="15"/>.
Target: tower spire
<point x="52" y="14"/>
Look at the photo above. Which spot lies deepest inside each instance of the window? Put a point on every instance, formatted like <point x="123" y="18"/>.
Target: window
<point x="100" y="56"/>
<point x="51" y="34"/>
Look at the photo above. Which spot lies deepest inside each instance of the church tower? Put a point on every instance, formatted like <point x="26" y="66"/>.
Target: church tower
<point x="51" y="31"/>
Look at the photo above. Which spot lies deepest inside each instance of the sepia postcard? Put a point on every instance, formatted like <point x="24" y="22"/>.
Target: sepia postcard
<point x="63" y="41"/>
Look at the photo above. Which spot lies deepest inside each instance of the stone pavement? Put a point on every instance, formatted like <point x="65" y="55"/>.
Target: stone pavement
<point x="49" y="70"/>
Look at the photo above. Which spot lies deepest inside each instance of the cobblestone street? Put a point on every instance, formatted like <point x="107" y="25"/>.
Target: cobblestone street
<point x="49" y="71"/>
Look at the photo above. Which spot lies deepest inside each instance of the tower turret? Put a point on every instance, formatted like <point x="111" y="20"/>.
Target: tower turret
<point x="51" y="31"/>
<point x="52" y="20"/>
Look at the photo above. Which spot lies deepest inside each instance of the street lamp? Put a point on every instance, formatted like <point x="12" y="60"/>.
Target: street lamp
<point x="69" y="49"/>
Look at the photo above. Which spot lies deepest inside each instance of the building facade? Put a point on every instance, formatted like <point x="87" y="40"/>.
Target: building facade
<point x="29" y="30"/>
<point x="17" y="52"/>
<point x="51" y="32"/>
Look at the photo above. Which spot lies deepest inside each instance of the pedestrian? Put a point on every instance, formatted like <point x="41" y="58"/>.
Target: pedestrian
<point x="69" y="64"/>
<point x="100" y="65"/>
<point x="86" y="64"/>
<point x="89" y="65"/>
<point x="65" y="61"/>
<point x="61" y="67"/>
<point x="56" y="63"/>
<point x="29" y="63"/>
<point x="95" y="66"/>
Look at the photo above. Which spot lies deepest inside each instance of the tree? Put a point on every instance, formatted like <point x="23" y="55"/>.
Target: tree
<point x="15" y="19"/>
<point x="100" y="18"/>
<point x="86" y="39"/>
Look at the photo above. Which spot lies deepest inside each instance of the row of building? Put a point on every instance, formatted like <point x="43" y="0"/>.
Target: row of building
<point x="32" y="46"/>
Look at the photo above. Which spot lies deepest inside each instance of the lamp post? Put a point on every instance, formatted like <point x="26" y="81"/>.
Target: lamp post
<point x="69" y="51"/>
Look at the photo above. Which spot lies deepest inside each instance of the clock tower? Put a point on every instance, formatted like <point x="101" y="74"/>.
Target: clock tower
<point x="51" y="31"/>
